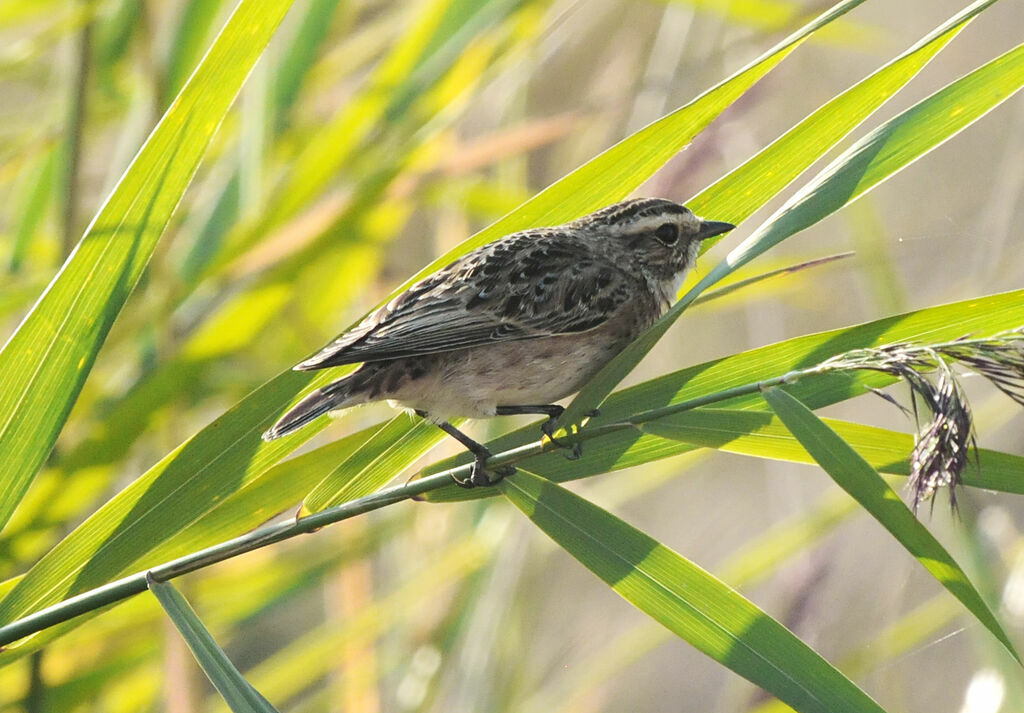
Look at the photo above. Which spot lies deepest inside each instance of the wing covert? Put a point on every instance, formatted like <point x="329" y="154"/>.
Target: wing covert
<point x="526" y="286"/>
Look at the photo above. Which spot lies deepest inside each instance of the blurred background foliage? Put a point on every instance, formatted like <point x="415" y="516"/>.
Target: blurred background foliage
<point x="372" y="137"/>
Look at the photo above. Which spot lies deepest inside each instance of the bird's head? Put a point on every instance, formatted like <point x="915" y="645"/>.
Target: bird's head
<point x="661" y="236"/>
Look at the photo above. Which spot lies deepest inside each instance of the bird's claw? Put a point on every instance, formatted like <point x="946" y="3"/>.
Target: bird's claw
<point x="480" y="476"/>
<point x="548" y="429"/>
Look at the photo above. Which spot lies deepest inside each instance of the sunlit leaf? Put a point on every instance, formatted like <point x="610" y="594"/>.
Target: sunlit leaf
<point x="873" y="159"/>
<point x="45" y="362"/>
<point x="762" y="435"/>
<point x="982" y="316"/>
<point x="692" y="603"/>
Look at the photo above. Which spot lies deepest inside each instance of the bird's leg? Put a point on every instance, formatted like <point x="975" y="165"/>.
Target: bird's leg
<point x="553" y="412"/>
<point x="480" y="475"/>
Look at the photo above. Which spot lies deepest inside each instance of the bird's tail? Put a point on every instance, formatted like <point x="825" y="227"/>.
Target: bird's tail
<point x="319" y="402"/>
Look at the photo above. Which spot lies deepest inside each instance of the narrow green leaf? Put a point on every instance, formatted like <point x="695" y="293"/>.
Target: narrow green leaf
<point x="856" y="476"/>
<point x="259" y="498"/>
<point x="229" y="682"/>
<point x="687" y="600"/>
<point x="751" y="563"/>
<point x="194" y="26"/>
<point x="46" y="361"/>
<point x="390" y="450"/>
<point x="30" y="206"/>
<point x="761" y="434"/>
<point x="981" y="316"/>
<point x="114" y="34"/>
<point x="737" y="195"/>
<point x="887" y="150"/>
<point x="301" y="56"/>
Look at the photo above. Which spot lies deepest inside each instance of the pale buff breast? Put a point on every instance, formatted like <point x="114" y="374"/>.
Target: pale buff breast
<point x="473" y="382"/>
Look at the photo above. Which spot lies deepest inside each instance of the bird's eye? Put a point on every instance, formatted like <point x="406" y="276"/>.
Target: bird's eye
<point x="667" y="233"/>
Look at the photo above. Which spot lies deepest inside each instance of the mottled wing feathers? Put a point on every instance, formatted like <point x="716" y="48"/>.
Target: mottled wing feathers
<point x="529" y="285"/>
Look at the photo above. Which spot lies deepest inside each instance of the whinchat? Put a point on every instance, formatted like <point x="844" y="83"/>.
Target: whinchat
<point x="515" y="325"/>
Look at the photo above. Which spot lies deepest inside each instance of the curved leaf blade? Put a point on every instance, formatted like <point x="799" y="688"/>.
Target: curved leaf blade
<point x="686" y="599"/>
<point x="980" y="316"/>
<point x="390" y="450"/>
<point x="887" y="150"/>
<point x="46" y="361"/>
<point x="240" y="696"/>
<point x="883" y="153"/>
<point x="762" y="435"/>
<point x="856" y="476"/>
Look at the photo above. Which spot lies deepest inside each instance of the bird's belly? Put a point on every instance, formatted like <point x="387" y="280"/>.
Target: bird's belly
<point x="474" y="382"/>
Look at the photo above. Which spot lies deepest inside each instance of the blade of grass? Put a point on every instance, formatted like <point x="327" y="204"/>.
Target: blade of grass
<point x="762" y="435"/>
<point x="751" y="563"/>
<point x="194" y="26"/>
<point x="908" y="136"/>
<point x="984" y="316"/>
<point x="30" y="206"/>
<point x="788" y="270"/>
<point x="240" y="696"/>
<point x="856" y="476"/>
<point x="689" y="601"/>
<point x="301" y="56"/>
<point x="378" y="460"/>
<point x="46" y="361"/>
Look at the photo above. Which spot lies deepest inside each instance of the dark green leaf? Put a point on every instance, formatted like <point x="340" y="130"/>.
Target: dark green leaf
<point x="856" y="476"/>
<point x="687" y="600"/>
<point x="238" y="694"/>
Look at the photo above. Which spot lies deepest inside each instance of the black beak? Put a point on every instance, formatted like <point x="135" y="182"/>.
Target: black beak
<point x="711" y="228"/>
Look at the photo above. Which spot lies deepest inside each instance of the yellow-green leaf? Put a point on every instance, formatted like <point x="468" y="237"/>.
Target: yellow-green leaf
<point x="46" y="361"/>
<point x="883" y="153"/>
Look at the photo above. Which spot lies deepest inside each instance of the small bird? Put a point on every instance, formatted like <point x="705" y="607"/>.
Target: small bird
<point x="515" y="325"/>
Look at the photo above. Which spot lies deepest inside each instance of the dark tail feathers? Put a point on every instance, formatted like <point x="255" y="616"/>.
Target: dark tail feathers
<point x="316" y="404"/>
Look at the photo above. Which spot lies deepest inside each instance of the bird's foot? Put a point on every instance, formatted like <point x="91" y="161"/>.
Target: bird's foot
<point x="480" y="476"/>
<point x="548" y="429"/>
